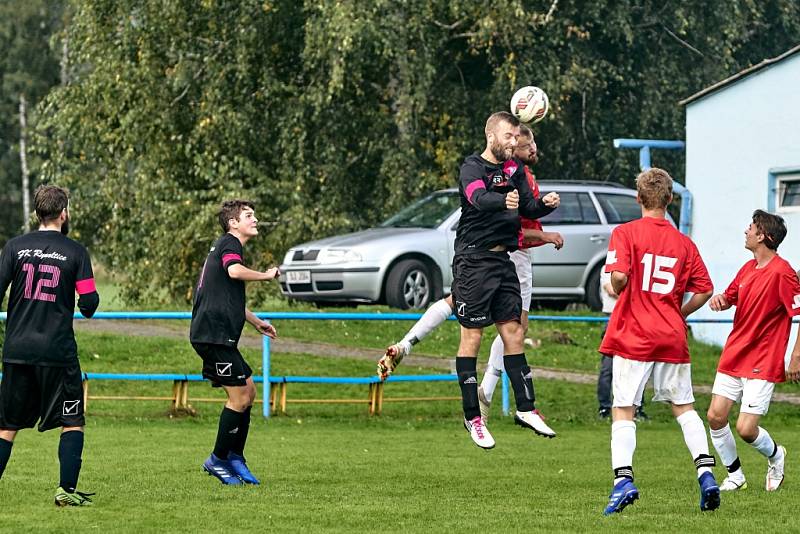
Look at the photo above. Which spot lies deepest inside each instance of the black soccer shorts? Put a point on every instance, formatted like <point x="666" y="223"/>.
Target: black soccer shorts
<point x="223" y="365"/>
<point x="51" y="395"/>
<point x="485" y="289"/>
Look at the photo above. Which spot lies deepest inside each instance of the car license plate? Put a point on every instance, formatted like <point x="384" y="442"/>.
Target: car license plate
<point x="298" y="277"/>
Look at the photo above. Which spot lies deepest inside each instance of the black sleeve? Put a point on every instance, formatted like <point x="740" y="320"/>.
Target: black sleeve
<point x="6" y="271"/>
<point x="529" y="206"/>
<point x="230" y="253"/>
<point x="474" y="190"/>
<point x="88" y="298"/>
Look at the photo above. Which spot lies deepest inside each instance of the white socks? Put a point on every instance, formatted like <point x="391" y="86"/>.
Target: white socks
<point x="694" y="434"/>
<point x="494" y="369"/>
<point x="623" y="444"/>
<point x="435" y="315"/>
<point x="767" y="446"/>
<point x="725" y="444"/>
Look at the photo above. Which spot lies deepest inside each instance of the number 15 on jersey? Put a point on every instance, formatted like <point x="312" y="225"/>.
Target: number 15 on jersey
<point x="656" y="276"/>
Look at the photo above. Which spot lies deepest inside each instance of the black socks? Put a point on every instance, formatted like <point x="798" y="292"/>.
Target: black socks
<point x="466" y="368"/>
<point x="5" y="454"/>
<point x="230" y="423"/>
<point x="244" y="429"/>
<point x="70" y="450"/>
<point x="521" y="379"/>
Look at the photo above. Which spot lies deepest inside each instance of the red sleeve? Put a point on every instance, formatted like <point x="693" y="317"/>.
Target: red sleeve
<point x="789" y="293"/>
<point x="732" y="293"/>
<point x="699" y="280"/>
<point x="618" y="257"/>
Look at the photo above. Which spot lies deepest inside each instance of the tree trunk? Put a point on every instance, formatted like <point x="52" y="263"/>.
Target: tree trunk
<point x="23" y="159"/>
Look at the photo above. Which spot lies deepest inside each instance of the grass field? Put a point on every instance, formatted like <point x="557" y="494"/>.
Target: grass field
<point x="334" y="468"/>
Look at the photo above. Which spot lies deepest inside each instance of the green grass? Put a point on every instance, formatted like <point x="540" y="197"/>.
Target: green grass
<point x="332" y="467"/>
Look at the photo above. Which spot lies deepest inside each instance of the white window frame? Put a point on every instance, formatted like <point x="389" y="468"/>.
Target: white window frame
<point x="780" y="186"/>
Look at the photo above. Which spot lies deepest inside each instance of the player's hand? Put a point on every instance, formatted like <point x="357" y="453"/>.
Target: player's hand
<point x="266" y="329"/>
<point x="718" y="303"/>
<point x="512" y="200"/>
<point x="273" y="273"/>
<point x="555" y="238"/>
<point x="793" y="373"/>
<point x="551" y="200"/>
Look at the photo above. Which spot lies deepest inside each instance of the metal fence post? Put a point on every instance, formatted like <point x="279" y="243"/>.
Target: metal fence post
<point x="265" y="361"/>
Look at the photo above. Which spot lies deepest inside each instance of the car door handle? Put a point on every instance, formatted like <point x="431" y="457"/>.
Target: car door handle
<point x="597" y="238"/>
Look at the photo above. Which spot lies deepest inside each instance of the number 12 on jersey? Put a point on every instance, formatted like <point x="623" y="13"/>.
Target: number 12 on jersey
<point x="656" y="278"/>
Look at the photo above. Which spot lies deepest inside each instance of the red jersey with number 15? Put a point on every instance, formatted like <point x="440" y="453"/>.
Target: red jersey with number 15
<point x="766" y="299"/>
<point x="662" y="264"/>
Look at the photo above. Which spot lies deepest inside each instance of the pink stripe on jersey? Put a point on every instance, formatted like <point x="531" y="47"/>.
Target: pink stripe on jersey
<point x="227" y="258"/>
<point x="85" y="286"/>
<point x="471" y="188"/>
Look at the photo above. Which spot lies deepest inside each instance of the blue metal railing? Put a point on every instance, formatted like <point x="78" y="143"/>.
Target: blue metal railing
<point x="318" y="316"/>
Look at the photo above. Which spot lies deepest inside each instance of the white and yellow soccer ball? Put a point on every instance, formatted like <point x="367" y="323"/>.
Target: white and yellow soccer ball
<point x="530" y="104"/>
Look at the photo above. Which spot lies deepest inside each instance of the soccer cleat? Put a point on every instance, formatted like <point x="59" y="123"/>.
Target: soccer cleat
<point x="239" y="466"/>
<point x="729" y="484"/>
<point x="535" y="422"/>
<point x="479" y="433"/>
<point x="222" y="470"/>
<point x="709" y="492"/>
<point x="485" y="404"/>
<point x="622" y="494"/>
<point x="76" y="498"/>
<point x="775" y="471"/>
<point x="391" y="359"/>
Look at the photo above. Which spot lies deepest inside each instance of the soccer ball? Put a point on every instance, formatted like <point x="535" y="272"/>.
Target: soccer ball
<point x="530" y="104"/>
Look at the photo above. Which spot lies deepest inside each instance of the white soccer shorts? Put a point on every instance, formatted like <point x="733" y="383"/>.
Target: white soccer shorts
<point x="754" y="394"/>
<point x="672" y="382"/>
<point x="522" y="262"/>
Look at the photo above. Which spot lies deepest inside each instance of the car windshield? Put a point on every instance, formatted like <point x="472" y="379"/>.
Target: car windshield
<point x="427" y="212"/>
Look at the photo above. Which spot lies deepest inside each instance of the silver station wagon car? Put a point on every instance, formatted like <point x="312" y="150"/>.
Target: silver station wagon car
<point x="406" y="262"/>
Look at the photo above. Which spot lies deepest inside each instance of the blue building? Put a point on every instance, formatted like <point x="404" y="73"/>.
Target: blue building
<point x="742" y="154"/>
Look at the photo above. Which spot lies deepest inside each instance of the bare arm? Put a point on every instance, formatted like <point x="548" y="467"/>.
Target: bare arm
<point x="719" y="303"/>
<point x="793" y="373"/>
<point x="695" y="303"/>
<point x="237" y="271"/>
<point x="608" y="288"/>
<point x="529" y="234"/>
<point x="618" y="281"/>
<point x="263" y="327"/>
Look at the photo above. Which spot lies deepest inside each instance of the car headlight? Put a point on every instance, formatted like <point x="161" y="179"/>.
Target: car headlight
<point x="339" y="255"/>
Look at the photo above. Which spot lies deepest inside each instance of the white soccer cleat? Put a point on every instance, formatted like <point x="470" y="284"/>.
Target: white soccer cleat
<point x="775" y="471"/>
<point x="733" y="484"/>
<point x="534" y="421"/>
<point x="484" y="403"/>
<point x="391" y="359"/>
<point x="479" y="433"/>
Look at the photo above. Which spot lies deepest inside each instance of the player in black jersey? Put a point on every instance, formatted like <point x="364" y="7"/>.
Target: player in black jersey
<point x="41" y="374"/>
<point x="494" y="194"/>
<point x="218" y="316"/>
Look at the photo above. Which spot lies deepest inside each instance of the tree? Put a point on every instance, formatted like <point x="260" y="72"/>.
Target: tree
<point x="29" y="67"/>
<point x="330" y="115"/>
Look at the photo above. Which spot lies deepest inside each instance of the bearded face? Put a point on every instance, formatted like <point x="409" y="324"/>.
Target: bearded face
<point x="527" y="151"/>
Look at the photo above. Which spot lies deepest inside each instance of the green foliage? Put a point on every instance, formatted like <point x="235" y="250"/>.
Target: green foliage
<point x="29" y="66"/>
<point x="330" y="115"/>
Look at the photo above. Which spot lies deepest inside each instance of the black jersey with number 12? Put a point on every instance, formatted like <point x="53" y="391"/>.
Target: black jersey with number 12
<point x="45" y="269"/>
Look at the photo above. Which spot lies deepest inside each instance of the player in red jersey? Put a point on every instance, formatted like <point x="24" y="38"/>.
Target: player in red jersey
<point x="652" y="266"/>
<point x="766" y="293"/>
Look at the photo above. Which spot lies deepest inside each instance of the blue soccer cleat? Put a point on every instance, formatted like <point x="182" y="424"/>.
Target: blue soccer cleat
<point x="239" y="466"/>
<point x="709" y="492"/>
<point x="222" y="470"/>
<point x="623" y="494"/>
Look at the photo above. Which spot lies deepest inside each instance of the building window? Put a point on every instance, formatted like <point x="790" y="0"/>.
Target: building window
<point x="788" y="192"/>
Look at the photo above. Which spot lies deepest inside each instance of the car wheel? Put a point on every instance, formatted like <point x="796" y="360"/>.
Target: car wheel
<point x="593" y="299"/>
<point x="409" y="285"/>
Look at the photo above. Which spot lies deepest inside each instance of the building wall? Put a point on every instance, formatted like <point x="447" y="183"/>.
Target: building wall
<point x="733" y="138"/>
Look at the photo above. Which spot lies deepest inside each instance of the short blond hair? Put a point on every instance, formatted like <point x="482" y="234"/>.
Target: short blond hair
<point x="655" y="188"/>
